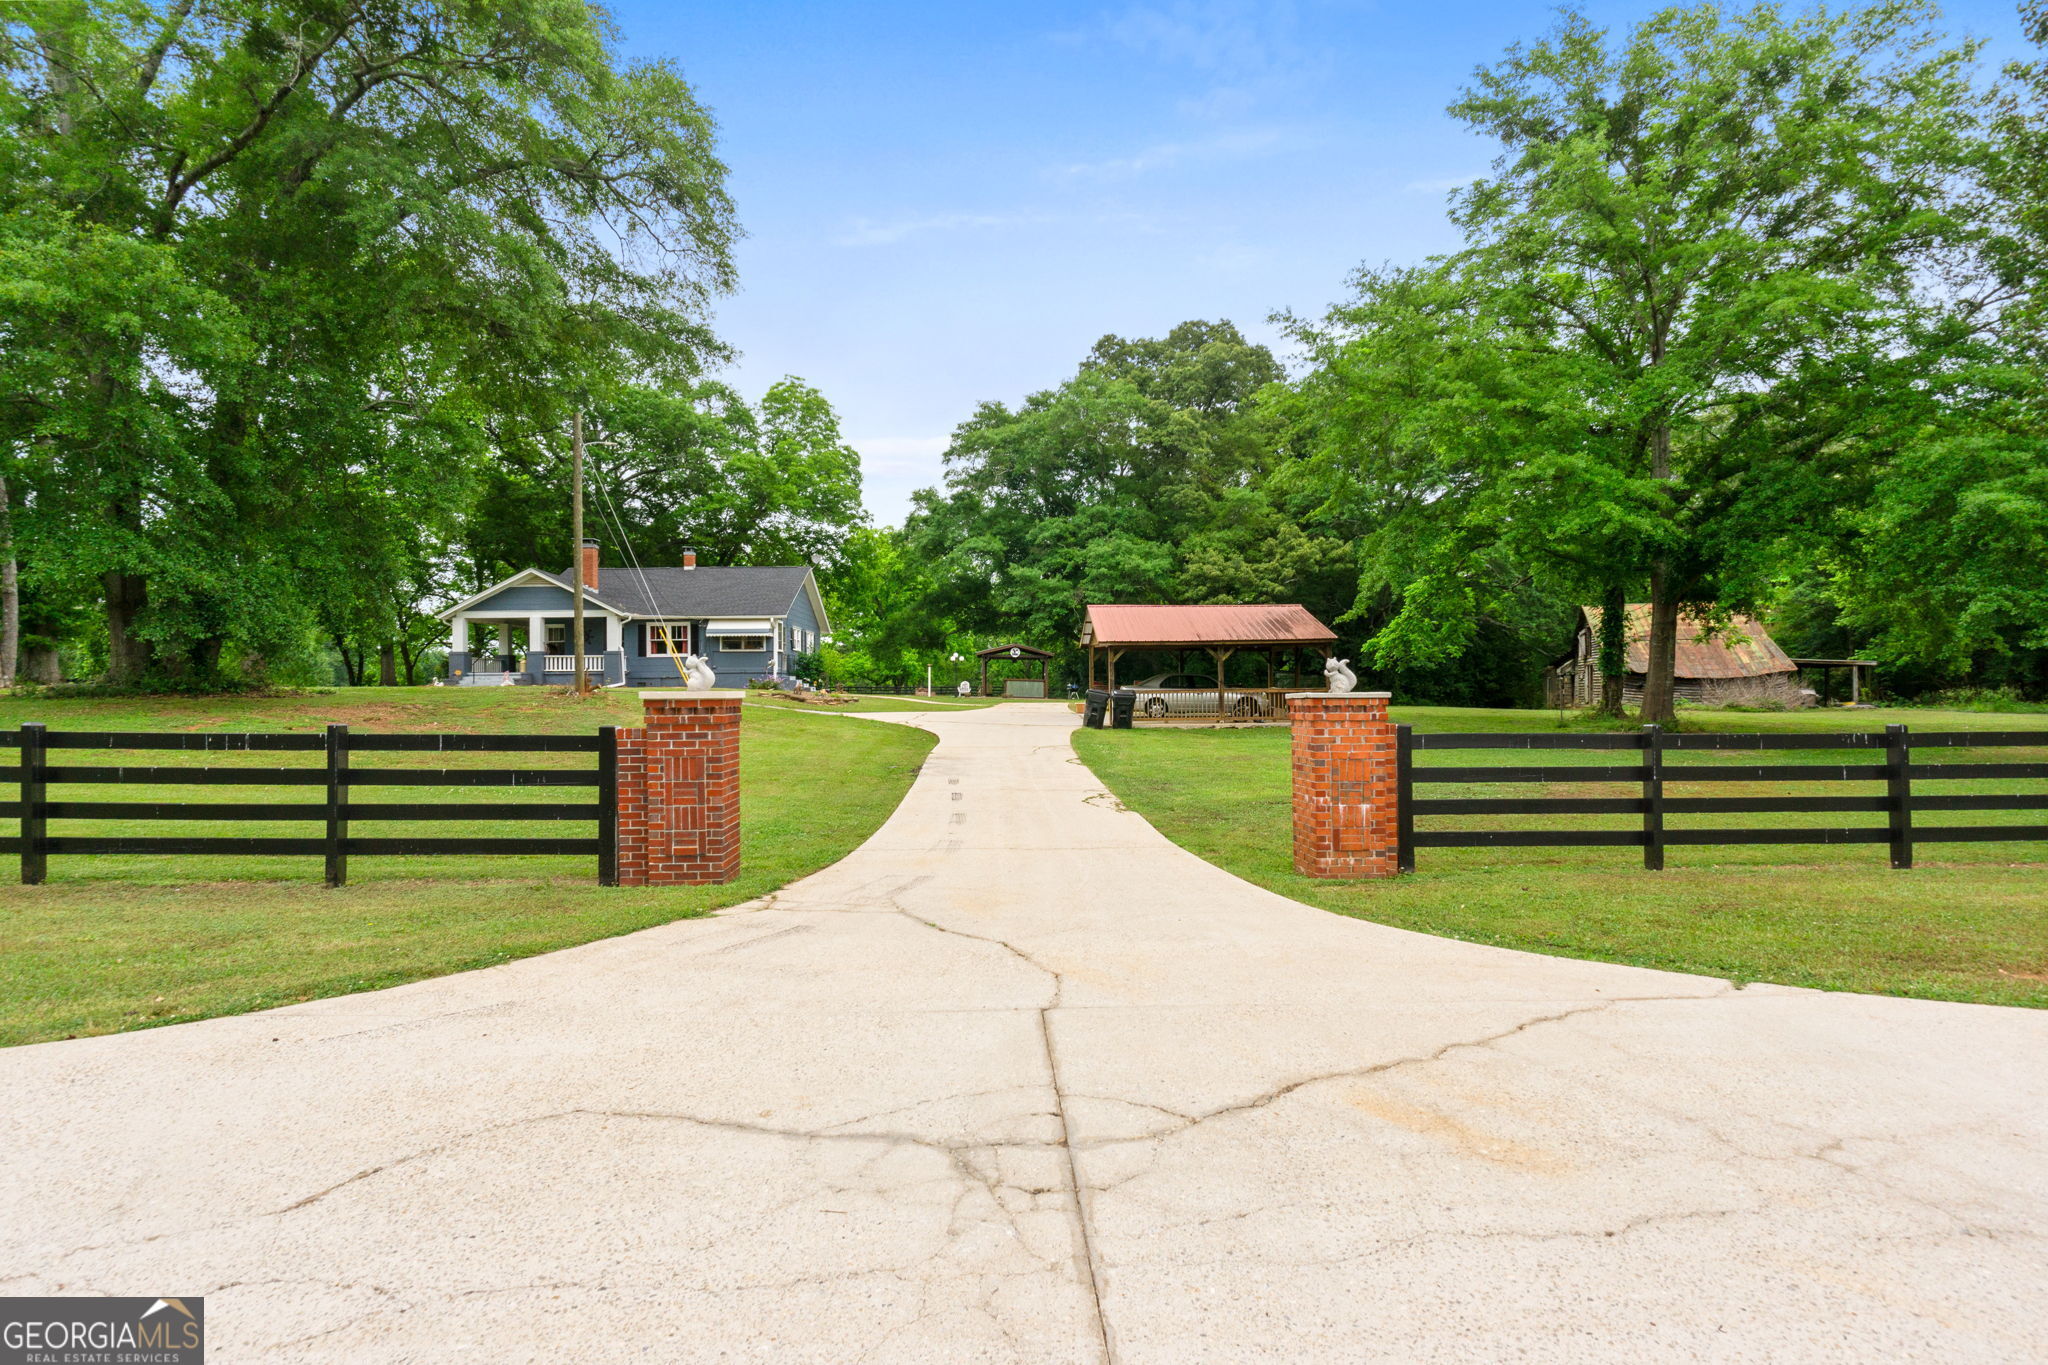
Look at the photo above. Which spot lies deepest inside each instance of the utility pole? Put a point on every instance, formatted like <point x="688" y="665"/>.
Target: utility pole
<point x="576" y="533"/>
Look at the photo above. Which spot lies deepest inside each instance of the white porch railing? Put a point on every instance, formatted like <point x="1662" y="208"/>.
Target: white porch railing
<point x="566" y="663"/>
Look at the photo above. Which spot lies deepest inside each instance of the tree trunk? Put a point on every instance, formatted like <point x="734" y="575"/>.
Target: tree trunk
<point x="351" y="664"/>
<point x="410" y="657"/>
<point x="128" y="654"/>
<point x="10" y="595"/>
<point x="1659" y="698"/>
<point x="387" y="666"/>
<point x="1613" y="654"/>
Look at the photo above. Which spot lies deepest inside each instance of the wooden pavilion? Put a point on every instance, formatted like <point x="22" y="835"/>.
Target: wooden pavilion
<point x="1017" y="653"/>
<point x="1275" y="631"/>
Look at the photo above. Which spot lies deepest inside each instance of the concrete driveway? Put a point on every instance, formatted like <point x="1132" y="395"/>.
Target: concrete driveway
<point x="1020" y="1080"/>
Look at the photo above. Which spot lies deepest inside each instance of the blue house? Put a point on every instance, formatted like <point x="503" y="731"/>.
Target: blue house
<point x="637" y="624"/>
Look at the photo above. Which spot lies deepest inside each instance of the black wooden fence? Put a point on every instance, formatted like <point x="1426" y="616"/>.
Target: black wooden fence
<point x="1892" y="764"/>
<point x="338" y="778"/>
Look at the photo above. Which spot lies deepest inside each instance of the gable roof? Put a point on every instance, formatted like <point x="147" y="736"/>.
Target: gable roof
<point x="1274" y="623"/>
<point x="710" y="590"/>
<point x="1740" y="649"/>
<point x="707" y="590"/>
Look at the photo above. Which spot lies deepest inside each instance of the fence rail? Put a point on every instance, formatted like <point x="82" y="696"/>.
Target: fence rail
<point x="1897" y="771"/>
<point x="336" y="812"/>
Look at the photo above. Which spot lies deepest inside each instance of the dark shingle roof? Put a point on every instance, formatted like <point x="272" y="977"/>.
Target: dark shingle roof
<point x="708" y="590"/>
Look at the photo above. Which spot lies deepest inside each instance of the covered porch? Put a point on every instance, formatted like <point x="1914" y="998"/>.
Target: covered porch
<point x="533" y="648"/>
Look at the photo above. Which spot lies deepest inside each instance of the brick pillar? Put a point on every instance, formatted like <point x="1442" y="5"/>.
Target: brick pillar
<point x="679" y="791"/>
<point x="1344" y="817"/>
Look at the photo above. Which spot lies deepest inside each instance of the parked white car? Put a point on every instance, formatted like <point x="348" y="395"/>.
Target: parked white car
<point x="1191" y="694"/>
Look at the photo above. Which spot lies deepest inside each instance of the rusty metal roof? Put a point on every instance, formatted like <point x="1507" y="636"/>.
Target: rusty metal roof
<point x="1269" y="623"/>
<point x="1740" y="649"/>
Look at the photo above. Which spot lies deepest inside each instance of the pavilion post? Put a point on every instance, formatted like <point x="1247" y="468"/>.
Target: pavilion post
<point x="1222" y="657"/>
<point x="1114" y="654"/>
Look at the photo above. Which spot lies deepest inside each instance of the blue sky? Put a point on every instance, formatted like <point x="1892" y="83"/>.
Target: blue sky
<point x="949" y="202"/>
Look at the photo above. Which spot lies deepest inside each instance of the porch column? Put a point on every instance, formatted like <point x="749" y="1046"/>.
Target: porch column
<point x="458" y="648"/>
<point x="504" y="638"/>
<point x="614" y="634"/>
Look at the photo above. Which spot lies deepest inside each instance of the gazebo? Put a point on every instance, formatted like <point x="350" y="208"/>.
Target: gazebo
<point x="1274" y="630"/>
<point x="1020" y="652"/>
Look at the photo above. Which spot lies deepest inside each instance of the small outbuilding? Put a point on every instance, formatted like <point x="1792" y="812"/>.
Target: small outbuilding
<point x="1736" y="664"/>
<point x="1040" y="686"/>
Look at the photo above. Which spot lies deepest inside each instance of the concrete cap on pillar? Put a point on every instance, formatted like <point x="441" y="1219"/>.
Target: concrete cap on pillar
<point x="1342" y="696"/>
<point x="718" y="693"/>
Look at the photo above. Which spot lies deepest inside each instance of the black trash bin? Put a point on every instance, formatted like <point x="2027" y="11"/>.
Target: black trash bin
<point x="1121" y="703"/>
<point x="1097" y="708"/>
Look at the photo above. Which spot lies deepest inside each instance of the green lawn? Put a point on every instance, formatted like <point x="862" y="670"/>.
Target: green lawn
<point x="112" y="943"/>
<point x="871" y="704"/>
<point x="1970" y="922"/>
<point x="941" y="704"/>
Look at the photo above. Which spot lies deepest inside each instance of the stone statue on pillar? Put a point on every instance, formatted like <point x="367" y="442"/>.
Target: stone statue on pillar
<point x="1338" y="671"/>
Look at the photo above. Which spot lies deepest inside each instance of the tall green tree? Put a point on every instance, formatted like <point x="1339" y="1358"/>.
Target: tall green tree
<point x="1710" y="286"/>
<point x="247" y="240"/>
<point x="1143" y="478"/>
<point x="688" y="467"/>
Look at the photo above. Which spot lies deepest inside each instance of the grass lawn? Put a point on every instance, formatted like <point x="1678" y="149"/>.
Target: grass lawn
<point x="870" y="704"/>
<point x="1970" y="922"/>
<point x="112" y="943"/>
<point x="940" y="704"/>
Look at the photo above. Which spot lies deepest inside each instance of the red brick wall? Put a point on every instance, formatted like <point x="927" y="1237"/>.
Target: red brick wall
<point x="679" y="793"/>
<point x="1344" y="816"/>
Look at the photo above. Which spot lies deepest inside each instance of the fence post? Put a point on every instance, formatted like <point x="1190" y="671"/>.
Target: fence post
<point x="1653" y="798"/>
<point x="1898" y="776"/>
<point x="607" y="805"/>
<point x="337" y="805"/>
<point x="34" y="824"/>
<point x="1404" y="797"/>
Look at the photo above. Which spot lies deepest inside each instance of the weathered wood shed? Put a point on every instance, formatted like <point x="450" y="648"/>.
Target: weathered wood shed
<point x="1735" y="664"/>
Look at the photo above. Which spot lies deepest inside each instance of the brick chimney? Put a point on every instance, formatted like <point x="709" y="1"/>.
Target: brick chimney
<point x="590" y="566"/>
<point x="689" y="559"/>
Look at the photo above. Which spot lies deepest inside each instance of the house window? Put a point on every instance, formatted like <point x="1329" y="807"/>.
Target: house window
<point x="667" y="640"/>
<point x="558" y="638"/>
<point x="743" y="644"/>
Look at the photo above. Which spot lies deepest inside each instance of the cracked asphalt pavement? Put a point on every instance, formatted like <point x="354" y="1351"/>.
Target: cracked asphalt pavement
<point x="1019" y="1080"/>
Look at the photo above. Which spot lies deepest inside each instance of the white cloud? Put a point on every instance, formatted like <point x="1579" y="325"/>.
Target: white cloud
<point x="878" y="232"/>
<point x="1251" y="49"/>
<point x="897" y="454"/>
<point x="1165" y="155"/>
<point x="1441" y="185"/>
<point x="889" y="231"/>
<point x="1235" y="258"/>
